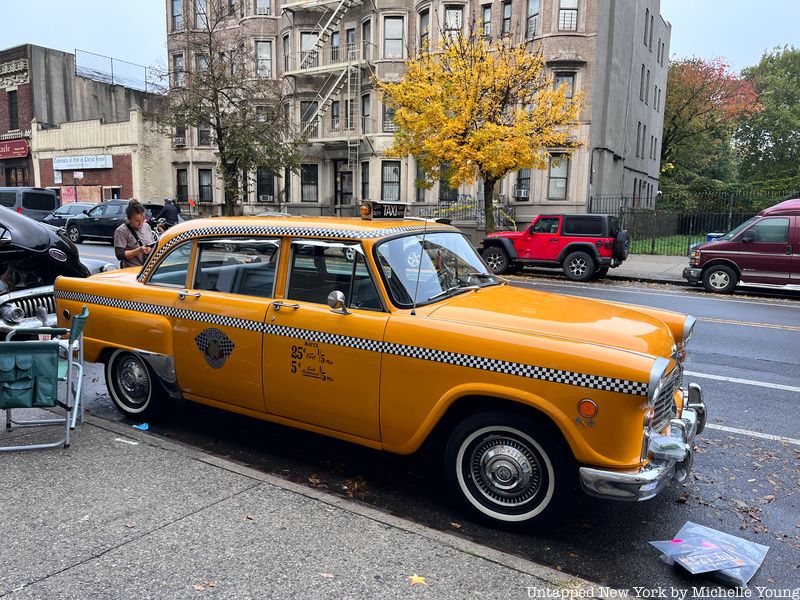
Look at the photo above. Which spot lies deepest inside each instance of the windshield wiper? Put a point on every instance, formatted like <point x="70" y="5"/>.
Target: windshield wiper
<point x="481" y="275"/>
<point x="455" y="288"/>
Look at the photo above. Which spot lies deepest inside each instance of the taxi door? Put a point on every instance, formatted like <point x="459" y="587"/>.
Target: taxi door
<point x="321" y="364"/>
<point x="218" y="327"/>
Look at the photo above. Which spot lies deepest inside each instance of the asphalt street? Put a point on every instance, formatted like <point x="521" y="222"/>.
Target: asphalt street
<point x="746" y="475"/>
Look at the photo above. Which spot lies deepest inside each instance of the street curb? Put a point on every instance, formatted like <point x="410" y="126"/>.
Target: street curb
<point x="544" y="574"/>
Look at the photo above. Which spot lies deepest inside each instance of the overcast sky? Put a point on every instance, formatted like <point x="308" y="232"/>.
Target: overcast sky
<point x="737" y="30"/>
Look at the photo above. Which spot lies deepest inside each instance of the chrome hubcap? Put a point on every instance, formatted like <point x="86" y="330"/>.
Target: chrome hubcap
<point x="133" y="382"/>
<point x="578" y="266"/>
<point x="719" y="279"/>
<point x="505" y="471"/>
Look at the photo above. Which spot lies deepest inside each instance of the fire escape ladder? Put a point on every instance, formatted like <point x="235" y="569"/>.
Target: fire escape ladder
<point x="353" y="105"/>
<point x="324" y="101"/>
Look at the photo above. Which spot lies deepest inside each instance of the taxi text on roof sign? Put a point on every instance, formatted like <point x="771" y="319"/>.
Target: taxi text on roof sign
<point x="383" y="210"/>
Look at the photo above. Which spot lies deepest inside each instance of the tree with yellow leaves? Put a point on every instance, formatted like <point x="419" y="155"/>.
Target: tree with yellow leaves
<point x="479" y="109"/>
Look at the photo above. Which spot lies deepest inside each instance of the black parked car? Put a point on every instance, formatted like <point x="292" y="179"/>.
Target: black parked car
<point x="32" y="255"/>
<point x="100" y="222"/>
<point x="58" y="217"/>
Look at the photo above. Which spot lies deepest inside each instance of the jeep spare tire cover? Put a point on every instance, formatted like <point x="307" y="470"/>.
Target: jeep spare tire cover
<point x="622" y="245"/>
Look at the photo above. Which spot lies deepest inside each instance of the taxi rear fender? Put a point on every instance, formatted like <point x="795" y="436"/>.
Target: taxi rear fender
<point x="471" y="398"/>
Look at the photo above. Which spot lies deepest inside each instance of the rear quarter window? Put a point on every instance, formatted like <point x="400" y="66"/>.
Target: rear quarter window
<point x="583" y="226"/>
<point x="8" y="199"/>
<point x="39" y="201"/>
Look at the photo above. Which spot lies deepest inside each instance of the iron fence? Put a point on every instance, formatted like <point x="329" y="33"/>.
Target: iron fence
<point x="671" y="225"/>
<point x="466" y="209"/>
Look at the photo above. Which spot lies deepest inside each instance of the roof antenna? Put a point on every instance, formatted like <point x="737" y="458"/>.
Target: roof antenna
<point x="419" y="267"/>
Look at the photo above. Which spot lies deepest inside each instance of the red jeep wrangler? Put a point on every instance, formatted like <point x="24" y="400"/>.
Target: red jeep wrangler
<point x="585" y="246"/>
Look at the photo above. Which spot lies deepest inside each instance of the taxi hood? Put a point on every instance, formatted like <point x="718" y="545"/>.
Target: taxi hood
<point x="578" y="319"/>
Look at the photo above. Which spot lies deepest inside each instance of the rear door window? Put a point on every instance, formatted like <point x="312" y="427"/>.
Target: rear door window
<point x="583" y="226"/>
<point x="8" y="199"/>
<point x="243" y="266"/>
<point x="38" y="201"/>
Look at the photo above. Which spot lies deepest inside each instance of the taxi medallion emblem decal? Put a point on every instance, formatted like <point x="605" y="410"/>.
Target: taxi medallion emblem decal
<point x="215" y="346"/>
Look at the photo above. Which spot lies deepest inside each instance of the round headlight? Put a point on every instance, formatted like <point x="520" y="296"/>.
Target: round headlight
<point x="12" y="314"/>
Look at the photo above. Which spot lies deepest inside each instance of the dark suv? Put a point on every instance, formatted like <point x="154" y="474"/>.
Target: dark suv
<point x="100" y="222"/>
<point x="584" y="246"/>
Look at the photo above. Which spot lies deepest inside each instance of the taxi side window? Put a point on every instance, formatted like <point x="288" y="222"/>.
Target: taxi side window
<point x="174" y="267"/>
<point x="319" y="268"/>
<point x="237" y="266"/>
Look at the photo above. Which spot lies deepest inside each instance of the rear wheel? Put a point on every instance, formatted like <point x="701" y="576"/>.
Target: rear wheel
<point x="74" y="234"/>
<point x="578" y="266"/>
<point x="497" y="259"/>
<point x="133" y="387"/>
<point x="508" y="468"/>
<point x="720" y="279"/>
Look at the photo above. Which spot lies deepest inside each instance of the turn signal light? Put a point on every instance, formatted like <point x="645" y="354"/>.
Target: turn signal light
<point x="587" y="408"/>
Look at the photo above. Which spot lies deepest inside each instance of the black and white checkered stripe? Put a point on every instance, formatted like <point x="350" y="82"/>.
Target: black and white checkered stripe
<point x="596" y="382"/>
<point x="284" y="230"/>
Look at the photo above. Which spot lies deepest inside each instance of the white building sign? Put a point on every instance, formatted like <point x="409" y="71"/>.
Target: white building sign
<point x="90" y="161"/>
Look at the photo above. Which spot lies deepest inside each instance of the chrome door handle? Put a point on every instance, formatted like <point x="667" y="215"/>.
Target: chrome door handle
<point x="278" y="304"/>
<point x="182" y="295"/>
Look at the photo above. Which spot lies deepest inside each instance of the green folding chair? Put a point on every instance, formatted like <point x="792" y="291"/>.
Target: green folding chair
<point x="29" y="376"/>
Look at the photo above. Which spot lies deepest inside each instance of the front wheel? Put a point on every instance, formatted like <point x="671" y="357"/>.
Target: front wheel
<point x="134" y="389"/>
<point x="74" y="234"/>
<point x="508" y="469"/>
<point x="578" y="266"/>
<point x="496" y="259"/>
<point x="720" y="279"/>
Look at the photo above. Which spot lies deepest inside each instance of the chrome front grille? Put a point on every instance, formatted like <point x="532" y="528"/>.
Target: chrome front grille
<point x="665" y="408"/>
<point x="31" y="303"/>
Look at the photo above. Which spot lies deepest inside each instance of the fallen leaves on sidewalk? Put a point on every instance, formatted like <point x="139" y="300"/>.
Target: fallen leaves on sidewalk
<point x="201" y="587"/>
<point x="328" y="575"/>
<point x="417" y="580"/>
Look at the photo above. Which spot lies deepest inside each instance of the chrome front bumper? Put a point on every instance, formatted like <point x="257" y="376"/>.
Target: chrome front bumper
<point x="670" y="457"/>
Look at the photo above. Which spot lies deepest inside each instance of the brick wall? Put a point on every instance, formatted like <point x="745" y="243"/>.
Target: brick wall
<point x="120" y="175"/>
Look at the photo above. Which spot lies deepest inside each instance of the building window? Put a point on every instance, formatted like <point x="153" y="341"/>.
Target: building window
<point x="365" y="181"/>
<point x="287" y="185"/>
<point x="178" y="72"/>
<point x="200" y="18"/>
<point x="350" y="42"/>
<point x="308" y="50"/>
<point x="200" y="63"/>
<point x="453" y="21"/>
<point x="180" y="132"/>
<point x="365" y="110"/>
<point x="182" y="185"/>
<point x="286" y="53"/>
<point x="655" y="98"/>
<point x="646" y="24"/>
<point x="348" y="113"/>
<point x="309" y="183"/>
<point x="17" y="177"/>
<point x="568" y="15"/>
<point x="522" y="191"/>
<point x="265" y="185"/>
<point x="568" y="81"/>
<point x="446" y="191"/>
<point x="388" y="118"/>
<point x="308" y="118"/>
<point x="644" y="137"/>
<point x="336" y="46"/>
<point x="263" y="7"/>
<point x="641" y="84"/>
<point x="650" y="41"/>
<point x="204" y="185"/>
<point x="393" y="37"/>
<point x="638" y="137"/>
<point x="533" y="18"/>
<point x="13" y="111"/>
<point x="424" y="29"/>
<point x="486" y="21"/>
<point x="177" y="15"/>
<point x="390" y="180"/>
<point x="231" y="7"/>
<point x="335" y="115"/>
<point x="506" y="28"/>
<point x="366" y="39"/>
<point x="647" y="89"/>
<point x="419" y="184"/>
<point x="264" y="59"/>
<point x="558" y="177"/>
<point x="204" y="134"/>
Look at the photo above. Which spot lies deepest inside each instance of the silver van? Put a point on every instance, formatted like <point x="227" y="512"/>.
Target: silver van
<point x="35" y="203"/>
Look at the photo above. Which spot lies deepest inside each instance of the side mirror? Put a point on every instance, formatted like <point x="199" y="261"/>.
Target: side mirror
<point x="85" y="211"/>
<point x="336" y="302"/>
<point x="748" y="236"/>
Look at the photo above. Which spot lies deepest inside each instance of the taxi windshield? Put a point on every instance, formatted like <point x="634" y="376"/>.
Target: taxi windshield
<point x="422" y="268"/>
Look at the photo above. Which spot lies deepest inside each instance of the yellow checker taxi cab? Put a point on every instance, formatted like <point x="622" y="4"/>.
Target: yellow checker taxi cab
<point x="387" y="332"/>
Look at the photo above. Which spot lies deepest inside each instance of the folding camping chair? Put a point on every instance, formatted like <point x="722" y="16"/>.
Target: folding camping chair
<point x="29" y="376"/>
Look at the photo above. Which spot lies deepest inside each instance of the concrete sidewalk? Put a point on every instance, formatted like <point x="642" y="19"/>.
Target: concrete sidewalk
<point x="653" y="268"/>
<point x="125" y="514"/>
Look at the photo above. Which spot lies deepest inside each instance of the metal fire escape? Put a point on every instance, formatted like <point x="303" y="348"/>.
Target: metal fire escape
<point x="343" y="71"/>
